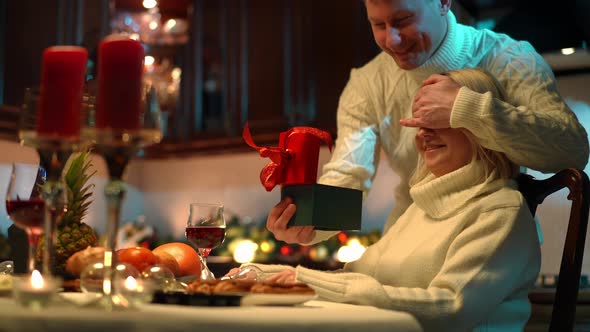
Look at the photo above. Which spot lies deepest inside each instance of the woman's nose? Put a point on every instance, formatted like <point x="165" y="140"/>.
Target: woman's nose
<point x="425" y="132"/>
<point x="393" y="38"/>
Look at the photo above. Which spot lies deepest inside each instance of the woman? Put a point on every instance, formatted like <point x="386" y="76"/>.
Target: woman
<point x="463" y="256"/>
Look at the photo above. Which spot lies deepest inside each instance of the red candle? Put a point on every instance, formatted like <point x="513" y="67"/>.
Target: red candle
<point x="120" y="73"/>
<point x="62" y="85"/>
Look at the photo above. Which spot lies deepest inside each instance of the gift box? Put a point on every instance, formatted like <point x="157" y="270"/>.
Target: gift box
<point x="325" y="207"/>
<point x="294" y="166"/>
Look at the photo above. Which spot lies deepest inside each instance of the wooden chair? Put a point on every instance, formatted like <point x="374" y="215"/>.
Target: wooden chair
<point x="535" y="191"/>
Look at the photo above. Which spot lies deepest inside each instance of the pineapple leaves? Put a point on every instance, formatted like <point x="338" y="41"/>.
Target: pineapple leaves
<point x="79" y="191"/>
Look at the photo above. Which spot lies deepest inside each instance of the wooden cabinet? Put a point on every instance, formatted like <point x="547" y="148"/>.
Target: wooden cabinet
<point x="273" y="63"/>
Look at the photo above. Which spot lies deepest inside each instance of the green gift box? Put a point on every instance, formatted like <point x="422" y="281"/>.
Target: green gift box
<point x="325" y="207"/>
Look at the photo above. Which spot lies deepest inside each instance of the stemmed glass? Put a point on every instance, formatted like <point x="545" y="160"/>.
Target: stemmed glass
<point x="25" y="206"/>
<point x="118" y="147"/>
<point x="205" y="230"/>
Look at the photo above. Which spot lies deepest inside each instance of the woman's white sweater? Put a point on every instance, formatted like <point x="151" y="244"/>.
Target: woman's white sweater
<point x="462" y="257"/>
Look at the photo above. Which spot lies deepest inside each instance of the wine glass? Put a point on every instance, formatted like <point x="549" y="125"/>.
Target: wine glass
<point x="25" y="205"/>
<point x="205" y="230"/>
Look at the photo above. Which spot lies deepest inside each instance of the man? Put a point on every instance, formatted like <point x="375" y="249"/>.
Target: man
<point x="399" y="90"/>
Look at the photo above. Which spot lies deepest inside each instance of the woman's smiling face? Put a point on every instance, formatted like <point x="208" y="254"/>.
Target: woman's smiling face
<point x="444" y="150"/>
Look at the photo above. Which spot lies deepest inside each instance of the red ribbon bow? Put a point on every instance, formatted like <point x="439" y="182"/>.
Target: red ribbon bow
<point x="274" y="172"/>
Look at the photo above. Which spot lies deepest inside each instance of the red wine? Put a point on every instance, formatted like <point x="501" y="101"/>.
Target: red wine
<point x="27" y="213"/>
<point x="206" y="237"/>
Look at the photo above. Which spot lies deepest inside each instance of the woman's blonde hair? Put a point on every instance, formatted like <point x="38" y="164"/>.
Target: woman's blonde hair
<point x="477" y="80"/>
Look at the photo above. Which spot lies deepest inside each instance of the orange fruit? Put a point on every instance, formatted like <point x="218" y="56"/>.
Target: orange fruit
<point x="187" y="257"/>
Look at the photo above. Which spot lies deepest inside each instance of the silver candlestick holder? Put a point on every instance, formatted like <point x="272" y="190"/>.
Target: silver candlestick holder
<point x="118" y="147"/>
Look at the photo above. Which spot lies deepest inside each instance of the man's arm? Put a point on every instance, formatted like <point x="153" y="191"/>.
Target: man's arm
<point x="352" y="165"/>
<point x="535" y="128"/>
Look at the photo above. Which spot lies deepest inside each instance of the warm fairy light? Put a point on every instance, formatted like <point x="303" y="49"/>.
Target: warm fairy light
<point x="153" y="25"/>
<point x="149" y="63"/>
<point x="149" y="60"/>
<point x="245" y="251"/>
<point x="285" y="250"/>
<point x="149" y="4"/>
<point x="134" y="36"/>
<point x="342" y="237"/>
<point x="170" y="24"/>
<point x="265" y="247"/>
<point x="352" y="251"/>
<point x="568" y="51"/>
<point x="125" y="137"/>
<point x="37" y="281"/>
<point x="176" y="72"/>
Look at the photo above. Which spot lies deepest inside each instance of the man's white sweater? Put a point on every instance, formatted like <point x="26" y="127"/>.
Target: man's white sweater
<point x="462" y="257"/>
<point x="535" y="128"/>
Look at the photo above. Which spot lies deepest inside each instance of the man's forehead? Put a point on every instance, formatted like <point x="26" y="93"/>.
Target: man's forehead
<point x="399" y="4"/>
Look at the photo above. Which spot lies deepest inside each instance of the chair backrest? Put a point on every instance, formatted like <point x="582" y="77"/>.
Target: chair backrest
<point x="534" y="192"/>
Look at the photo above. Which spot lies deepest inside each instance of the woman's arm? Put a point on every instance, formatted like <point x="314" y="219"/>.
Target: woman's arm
<point x="489" y="261"/>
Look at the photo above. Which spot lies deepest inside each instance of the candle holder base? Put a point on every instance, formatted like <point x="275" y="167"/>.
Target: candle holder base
<point x="35" y="296"/>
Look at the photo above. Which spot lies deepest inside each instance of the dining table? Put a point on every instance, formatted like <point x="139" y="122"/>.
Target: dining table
<point x="312" y="315"/>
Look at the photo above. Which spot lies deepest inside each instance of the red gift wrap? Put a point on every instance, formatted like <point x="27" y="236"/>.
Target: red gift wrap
<point x="120" y="83"/>
<point x="63" y="71"/>
<point x="295" y="160"/>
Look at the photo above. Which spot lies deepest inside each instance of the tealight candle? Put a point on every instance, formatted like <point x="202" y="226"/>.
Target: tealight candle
<point x="35" y="291"/>
<point x="63" y="71"/>
<point x="135" y="290"/>
<point x="120" y="83"/>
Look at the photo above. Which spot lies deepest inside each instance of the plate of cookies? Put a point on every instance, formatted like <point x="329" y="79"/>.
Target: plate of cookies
<point x="253" y="292"/>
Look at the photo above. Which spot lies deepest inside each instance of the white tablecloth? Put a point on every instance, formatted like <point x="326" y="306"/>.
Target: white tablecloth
<point x="310" y="316"/>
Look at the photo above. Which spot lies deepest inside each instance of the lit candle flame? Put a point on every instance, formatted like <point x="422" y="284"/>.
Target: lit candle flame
<point x="37" y="281"/>
<point x="130" y="283"/>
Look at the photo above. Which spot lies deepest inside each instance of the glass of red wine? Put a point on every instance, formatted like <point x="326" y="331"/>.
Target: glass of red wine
<point x="25" y="205"/>
<point x="205" y="230"/>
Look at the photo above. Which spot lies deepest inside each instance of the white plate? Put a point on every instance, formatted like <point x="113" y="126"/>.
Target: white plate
<point x="276" y="299"/>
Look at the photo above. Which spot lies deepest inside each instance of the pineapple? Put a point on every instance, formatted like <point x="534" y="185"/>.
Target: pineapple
<point x="72" y="234"/>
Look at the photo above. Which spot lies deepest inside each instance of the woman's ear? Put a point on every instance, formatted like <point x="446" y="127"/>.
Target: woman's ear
<point x="445" y="6"/>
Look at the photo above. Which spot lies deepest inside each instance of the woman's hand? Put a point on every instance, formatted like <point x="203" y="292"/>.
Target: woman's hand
<point x="277" y="221"/>
<point x="286" y="277"/>
<point x="242" y="273"/>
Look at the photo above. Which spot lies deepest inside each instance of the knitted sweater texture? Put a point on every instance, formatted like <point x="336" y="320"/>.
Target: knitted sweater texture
<point x="462" y="257"/>
<point x="535" y="128"/>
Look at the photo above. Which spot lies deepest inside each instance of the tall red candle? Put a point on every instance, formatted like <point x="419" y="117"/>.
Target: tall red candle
<point x="120" y="73"/>
<point x="63" y="71"/>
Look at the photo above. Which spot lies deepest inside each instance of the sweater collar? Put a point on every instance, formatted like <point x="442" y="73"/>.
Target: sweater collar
<point x="439" y="197"/>
<point x="450" y="54"/>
